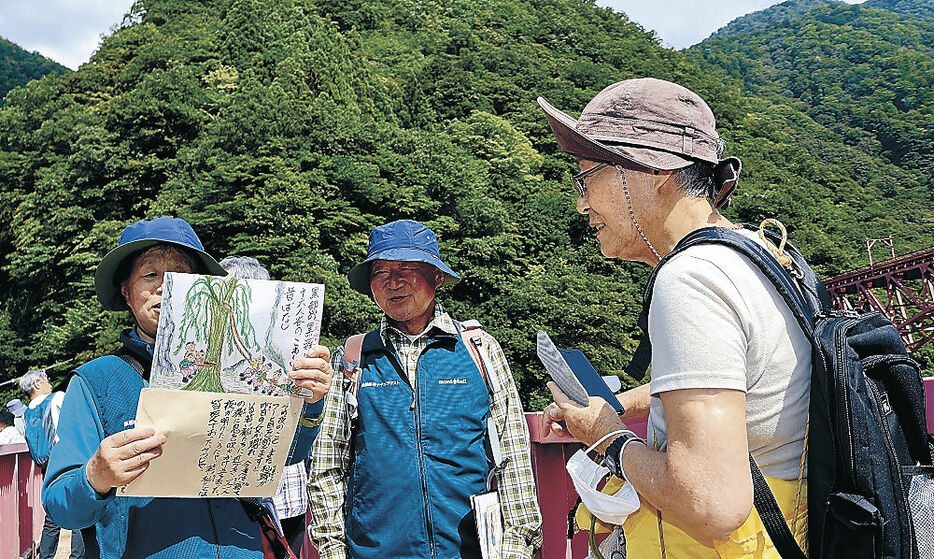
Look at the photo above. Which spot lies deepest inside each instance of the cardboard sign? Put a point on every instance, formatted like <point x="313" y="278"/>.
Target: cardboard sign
<point x="217" y="445"/>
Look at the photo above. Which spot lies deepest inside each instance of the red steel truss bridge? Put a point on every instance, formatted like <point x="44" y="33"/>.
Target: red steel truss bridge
<point x="901" y="287"/>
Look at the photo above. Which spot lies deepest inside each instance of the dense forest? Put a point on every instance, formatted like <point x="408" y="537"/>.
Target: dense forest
<point x="864" y="73"/>
<point x="917" y="8"/>
<point x="17" y="67"/>
<point x="286" y="129"/>
<point x="784" y="13"/>
<point x="778" y="15"/>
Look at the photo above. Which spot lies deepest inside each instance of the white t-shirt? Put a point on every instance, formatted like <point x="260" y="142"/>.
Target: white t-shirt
<point x="9" y="435"/>
<point x="717" y="322"/>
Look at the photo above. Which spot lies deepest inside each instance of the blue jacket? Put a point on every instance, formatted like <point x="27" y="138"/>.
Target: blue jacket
<point x="418" y="454"/>
<point x="133" y="527"/>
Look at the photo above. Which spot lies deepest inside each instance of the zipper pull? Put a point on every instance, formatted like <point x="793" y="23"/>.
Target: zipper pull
<point x="884" y="403"/>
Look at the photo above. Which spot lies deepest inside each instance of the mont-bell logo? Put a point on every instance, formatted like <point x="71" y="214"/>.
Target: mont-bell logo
<point x="452" y="381"/>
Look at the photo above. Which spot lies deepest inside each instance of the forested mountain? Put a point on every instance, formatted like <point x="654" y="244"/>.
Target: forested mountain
<point x="864" y="73"/>
<point x="777" y="15"/>
<point x="286" y="129"/>
<point x="782" y="14"/>
<point x="917" y="8"/>
<point x="18" y="66"/>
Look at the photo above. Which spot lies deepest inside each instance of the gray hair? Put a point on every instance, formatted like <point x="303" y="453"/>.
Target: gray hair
<point x="244" y="267"/>
<point x="27" y="382"/>
<point x="699" y="180"/>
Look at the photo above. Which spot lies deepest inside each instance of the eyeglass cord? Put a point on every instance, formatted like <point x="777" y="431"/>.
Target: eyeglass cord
<point x="632" y="215"/>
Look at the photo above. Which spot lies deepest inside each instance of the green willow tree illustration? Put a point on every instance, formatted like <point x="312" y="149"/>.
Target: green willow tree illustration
<point x="217" y="312"/>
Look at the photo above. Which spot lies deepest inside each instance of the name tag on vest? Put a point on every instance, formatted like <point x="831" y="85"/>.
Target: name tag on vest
<point x="379" y="384"/>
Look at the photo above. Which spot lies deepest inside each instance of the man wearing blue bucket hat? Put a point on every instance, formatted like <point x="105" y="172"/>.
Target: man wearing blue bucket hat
<point x="425" y="411"/>
<point x="99" y="448"/>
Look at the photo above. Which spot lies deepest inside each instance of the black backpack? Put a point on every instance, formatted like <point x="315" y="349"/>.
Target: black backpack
<point x="870" y="478"/>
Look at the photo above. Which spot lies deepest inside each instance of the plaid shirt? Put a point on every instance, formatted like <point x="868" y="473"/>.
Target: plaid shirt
<point x="291" y="499"/>
<point x="331" y="452"/>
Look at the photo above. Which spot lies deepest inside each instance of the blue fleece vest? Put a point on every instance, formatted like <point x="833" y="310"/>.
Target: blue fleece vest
<point x="116" y="387"/>
<point x="417" y="454"/>
<point x="166" y="527"/>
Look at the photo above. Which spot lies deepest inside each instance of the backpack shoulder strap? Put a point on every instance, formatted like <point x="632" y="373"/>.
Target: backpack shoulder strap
<point x="782" y="279"/>
<point x="351" y="366"/>
<point x="813" y="290"/>
<point x="803" y="303"/>
<point x="132" y="362"/>
<point x="771" y="516"/>
<point x="353" y="349"/>
<point x="472" y="334"/>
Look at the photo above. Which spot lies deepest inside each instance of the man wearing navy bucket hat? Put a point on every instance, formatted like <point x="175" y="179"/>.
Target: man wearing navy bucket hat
<point x="99" y="448"/>
<point x="426" y="410"/>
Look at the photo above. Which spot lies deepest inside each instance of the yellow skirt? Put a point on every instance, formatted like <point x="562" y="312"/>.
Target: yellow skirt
<point x="749" y="541"/>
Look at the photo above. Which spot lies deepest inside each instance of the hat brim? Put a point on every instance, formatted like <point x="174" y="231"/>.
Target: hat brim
<point x="570" y="140"/>
<point x="359" y="275"/>
<point x="109" y="294"/>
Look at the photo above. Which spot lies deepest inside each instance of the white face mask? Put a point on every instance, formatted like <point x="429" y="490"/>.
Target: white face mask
<point x="586" y="475"/>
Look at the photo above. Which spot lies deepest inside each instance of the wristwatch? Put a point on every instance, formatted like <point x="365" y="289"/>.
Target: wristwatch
<point x="614" y="453"/>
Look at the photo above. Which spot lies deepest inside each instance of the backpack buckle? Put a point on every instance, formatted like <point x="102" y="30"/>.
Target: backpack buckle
<point x="350" y="390"/>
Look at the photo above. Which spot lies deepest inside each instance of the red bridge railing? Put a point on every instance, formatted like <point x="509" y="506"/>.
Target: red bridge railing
<point x="21" y="514"/>
<point x="20" y="483"/>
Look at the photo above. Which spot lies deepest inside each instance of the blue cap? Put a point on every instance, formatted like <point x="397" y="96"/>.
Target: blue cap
<point x="140" y="236"/>
<point x="404" y="241"/>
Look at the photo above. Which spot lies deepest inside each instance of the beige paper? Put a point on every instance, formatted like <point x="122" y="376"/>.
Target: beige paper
<point x="217" y="445"/>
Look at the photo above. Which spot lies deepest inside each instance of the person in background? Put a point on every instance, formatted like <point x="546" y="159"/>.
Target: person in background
<point x="17" y="408"/>
<point x="43" y="403"/>
<point x="8" y="432"/>
<point x="100" y="448"/>
<point x="291" y="498"/>
<point x="730" y="365"/>
<point x="397" y="481"/>
<point x="41" y="418"/>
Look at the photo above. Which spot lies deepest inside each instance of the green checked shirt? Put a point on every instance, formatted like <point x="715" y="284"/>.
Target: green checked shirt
<point x="331" y="451"/>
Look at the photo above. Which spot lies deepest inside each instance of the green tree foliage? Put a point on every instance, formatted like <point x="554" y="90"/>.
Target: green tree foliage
<point x="779" y="15"/>
<point x="18" y="66"/>
<point x="917" y="8"/>
<point x="866" y="74"/>
<point x="782" y="14"/>
<point x="286" y="129"/>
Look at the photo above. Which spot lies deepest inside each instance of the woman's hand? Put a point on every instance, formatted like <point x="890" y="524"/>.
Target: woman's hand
<point x="552" y="419"/>
<point x="588" y="423"/>
<point x="313" y="372"/>
<point x="123" y="457"/>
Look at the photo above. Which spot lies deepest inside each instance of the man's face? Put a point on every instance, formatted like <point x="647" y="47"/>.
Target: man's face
<point x="42" y="386"/>
<point x="604" y="203"/>
<point x="405" y="291"/>
<point x="143" y="289"/>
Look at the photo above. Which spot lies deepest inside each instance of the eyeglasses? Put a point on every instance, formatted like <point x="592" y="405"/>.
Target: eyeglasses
<point x="578" y="179"/>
